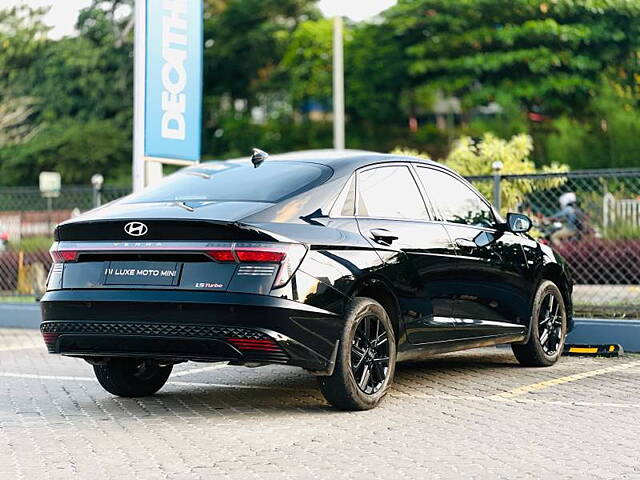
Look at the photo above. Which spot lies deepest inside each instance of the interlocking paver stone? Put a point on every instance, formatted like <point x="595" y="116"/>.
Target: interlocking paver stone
<point x="445" y="418"/>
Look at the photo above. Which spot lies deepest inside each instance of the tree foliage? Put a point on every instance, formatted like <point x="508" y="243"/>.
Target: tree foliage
<point x="564" y="72"/>
<point x="22" y="38"/>
<point x="245" y="41"/>
<point x="307" y="62"/>
<point x="547" y="54"/>
<point x="472" y="158"/>
<point x="15" y="127"/>
<point x="79" y="97"/>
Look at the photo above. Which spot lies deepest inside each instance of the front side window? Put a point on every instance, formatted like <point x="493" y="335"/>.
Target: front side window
<point x="389" y="192"/>
<point x="456" y="202"/>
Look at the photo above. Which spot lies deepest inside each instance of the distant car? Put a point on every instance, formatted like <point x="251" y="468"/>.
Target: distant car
<point x="339" y="263"/>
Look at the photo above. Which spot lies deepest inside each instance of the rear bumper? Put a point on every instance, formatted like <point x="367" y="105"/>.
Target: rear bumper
<point x="176" y="325"/>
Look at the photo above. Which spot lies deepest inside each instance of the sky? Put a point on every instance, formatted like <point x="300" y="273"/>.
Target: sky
<point x="63" y="13"/>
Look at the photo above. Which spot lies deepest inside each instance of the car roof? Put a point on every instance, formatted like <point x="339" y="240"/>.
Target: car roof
<point x="341" y="161"/>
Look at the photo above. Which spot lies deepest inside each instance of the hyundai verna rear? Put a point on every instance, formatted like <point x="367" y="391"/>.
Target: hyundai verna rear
<point x="339" y="263"/>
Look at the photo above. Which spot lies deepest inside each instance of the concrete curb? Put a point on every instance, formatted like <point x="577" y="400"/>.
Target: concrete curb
<point x="19" y="315"/>
<point x="587" y="331"/>
<point x="595" y="331"/>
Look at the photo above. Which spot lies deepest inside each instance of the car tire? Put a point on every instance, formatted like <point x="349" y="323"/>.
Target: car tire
<point x="130" y="377"/>
<point x="548" y="328"/>
<point x="362" y="376"/>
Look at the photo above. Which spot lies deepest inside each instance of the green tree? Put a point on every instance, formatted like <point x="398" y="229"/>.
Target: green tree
<point x="83" y="86"/>
<point x="549" y="55"/>
<point x="76" y="149"/>
<point x="15" y="127"/>
<point x="546" y="58"/>
<point x="22" y="38"/>
<point x="472" y="158"/>
<point x="307" y="62"/>
<point x="245" y="41"/>
<point x="376" y="74"/>
<point x="22" y="41"/>
<point x="608" y="138"/>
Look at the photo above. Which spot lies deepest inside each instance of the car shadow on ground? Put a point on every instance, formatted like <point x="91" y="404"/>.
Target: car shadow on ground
<point x="284" y="391"/>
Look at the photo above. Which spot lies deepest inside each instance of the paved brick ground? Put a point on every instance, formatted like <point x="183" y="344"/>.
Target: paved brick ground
<point x="465" y="415"/>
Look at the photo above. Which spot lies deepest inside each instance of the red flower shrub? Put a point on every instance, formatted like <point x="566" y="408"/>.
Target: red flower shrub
<point x="595" y="261"/>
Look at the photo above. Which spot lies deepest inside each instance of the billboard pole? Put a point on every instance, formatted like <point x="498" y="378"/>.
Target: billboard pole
<point x="139" y="81"/>
<point x="338" y="85"/>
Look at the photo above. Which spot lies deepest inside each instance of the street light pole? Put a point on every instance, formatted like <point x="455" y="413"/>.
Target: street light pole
<point x="97" y="181"/>
<point x="338" y="84"/>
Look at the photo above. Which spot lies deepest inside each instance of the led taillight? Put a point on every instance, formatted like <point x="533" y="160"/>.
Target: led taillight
<point x="249" y="255"/>
<point x="222" y="255"/>
<point x="288" y="255"/>
<point x="64" y="256"/>
<point x="258" y="256"/>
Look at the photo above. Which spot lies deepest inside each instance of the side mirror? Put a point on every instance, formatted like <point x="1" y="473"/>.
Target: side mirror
<point x="518" y="223"/>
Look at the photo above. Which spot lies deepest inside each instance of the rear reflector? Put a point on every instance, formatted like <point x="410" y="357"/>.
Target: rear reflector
<point x="244" y="344"/>
<point x="50" y="340"/>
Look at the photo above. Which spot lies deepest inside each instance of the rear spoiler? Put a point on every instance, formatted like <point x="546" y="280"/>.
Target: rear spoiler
<point x="162" y="230"/>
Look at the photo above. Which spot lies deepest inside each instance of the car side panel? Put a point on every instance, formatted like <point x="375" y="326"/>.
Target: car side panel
<point x="494" y="290"/>
<point x="416" y="265"/>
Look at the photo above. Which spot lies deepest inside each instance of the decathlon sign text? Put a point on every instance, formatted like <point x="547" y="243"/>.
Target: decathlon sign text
<point x="173" y="96"/>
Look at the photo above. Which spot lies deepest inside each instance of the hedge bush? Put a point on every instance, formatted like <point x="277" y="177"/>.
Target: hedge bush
<point x="603" y="262"/>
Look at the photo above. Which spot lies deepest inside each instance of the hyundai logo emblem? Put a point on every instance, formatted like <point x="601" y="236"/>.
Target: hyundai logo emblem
<point x="136" y="229"/>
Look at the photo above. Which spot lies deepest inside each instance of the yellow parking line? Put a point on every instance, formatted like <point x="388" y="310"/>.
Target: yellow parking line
<point x="560" y="380"/>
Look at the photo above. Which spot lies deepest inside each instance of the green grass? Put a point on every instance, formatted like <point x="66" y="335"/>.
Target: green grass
<point x="17" y="299"/>
<point x="31" y="244"/>
<point x="622" y="231"/>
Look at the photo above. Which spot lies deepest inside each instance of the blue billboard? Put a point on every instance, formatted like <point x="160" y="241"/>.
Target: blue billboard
<point x="173" y="97"/>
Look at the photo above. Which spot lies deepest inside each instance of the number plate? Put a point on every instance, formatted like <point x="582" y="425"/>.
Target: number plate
<point x="142" y="273"/>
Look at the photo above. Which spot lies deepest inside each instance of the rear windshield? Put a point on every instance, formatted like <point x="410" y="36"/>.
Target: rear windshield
<point x="270" y="182"/>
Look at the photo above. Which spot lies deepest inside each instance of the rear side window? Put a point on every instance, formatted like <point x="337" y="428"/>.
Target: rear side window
<point x="456" y="202"/>
<point x="389" y="192"/>
<point x="271" y="182"/>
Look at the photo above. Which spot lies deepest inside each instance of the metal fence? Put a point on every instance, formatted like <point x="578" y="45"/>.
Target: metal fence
<point x="596" y="229"/>
<point x="27" y="221"/>
<point x="592" y="218"/>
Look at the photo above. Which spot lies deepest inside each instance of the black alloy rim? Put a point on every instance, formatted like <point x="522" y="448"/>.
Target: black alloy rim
<point x="144" y="369"/>
<point x="370" y="354"/>
<point x="550" y="324"/>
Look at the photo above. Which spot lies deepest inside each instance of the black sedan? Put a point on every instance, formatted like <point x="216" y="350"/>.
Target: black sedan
<point x="342" y="263"/>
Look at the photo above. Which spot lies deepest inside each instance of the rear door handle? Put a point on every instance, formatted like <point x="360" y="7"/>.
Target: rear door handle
<point x="464" y="243"/>
<point x="382" y="236"/>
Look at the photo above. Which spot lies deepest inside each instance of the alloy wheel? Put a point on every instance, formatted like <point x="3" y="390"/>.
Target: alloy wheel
<point x="550" y="324"/>
<point x="144" y="369"/>
<point x="370" y="354"/>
